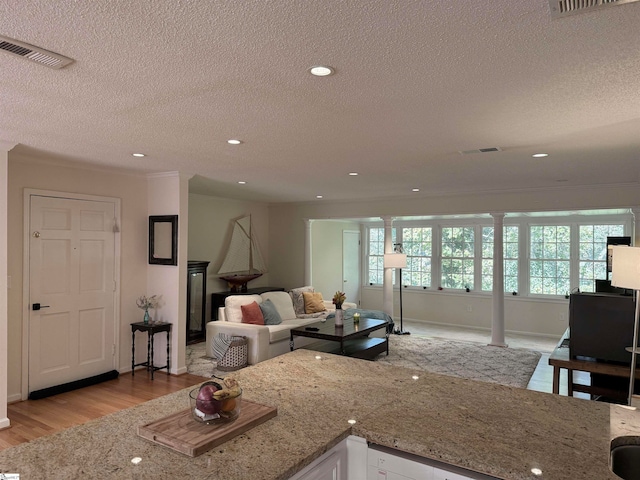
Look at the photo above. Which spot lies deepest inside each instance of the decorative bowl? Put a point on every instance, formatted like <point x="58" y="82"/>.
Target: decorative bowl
<point x="206" y="409"/>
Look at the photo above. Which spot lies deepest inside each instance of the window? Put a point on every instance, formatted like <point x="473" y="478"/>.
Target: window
<point x="510" y="252"/>
<point x="549" y="264"/>
<point x="417" y="245"/>
<point x="545" y="255"/>
<point x="593" y="253"/>
<point x="457" y="257"/>
<point x="376" y="254"/>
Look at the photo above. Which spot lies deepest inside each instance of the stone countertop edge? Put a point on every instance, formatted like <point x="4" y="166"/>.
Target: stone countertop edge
<point x="492" y="429"/>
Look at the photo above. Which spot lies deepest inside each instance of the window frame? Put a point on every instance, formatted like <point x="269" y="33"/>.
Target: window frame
<point x="523" y="222"/>
<point x="517" y="259"/>
<point x="428" y="258"/>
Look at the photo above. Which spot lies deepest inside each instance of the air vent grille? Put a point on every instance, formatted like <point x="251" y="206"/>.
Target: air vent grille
<point x="33" y="53"/>
<point x="480" y="150"/>
<point x="562" y="8"/>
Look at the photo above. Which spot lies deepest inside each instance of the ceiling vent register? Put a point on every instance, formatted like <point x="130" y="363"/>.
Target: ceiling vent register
<point x="480" y="150"/>
<point x="563" y="8"/>
<point x="33" y="53"/>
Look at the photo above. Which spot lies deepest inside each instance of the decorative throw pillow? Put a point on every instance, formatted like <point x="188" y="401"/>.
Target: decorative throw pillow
<point x="313" y="302"/>
<point x="270" y="314"/>
<point x="282" y="302"/>
<point x="298" y="300"/>
<point x="252" y="314"/>
<point x="232" y="305"/>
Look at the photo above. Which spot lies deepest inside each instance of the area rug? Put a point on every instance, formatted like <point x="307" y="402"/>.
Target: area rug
<point x="506" y="366"/>
<point x="476" y="361"/>
<point x="199" y="364"/>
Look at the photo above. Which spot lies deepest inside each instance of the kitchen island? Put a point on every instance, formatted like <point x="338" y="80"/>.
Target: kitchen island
<point x="500" y="431"/>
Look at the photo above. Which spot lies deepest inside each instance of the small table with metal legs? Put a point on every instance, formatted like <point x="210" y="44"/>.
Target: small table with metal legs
<point x="151" y="329"/>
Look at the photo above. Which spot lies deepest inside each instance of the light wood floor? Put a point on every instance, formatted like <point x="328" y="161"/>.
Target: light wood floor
<point x="31" y="419"/>
<point x="35" y="418"/>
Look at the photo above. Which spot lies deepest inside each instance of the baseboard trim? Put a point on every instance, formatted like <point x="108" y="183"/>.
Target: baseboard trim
<point x="16" y="397"/>
<point x="4" y="423"/>
<point x="180" y="371"/>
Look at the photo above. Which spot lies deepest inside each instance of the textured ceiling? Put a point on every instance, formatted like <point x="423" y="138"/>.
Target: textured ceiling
<point x="416" y="82"/>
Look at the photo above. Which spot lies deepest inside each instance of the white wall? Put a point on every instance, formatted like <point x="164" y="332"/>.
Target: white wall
<point x="25" y="172"/>
<point x="326" y="255"/>
<point x="547" y="317"/>
<point x="210" y="232"/>
<point x="4" y="420"/>
<point x="522" y="315"/>
<point x="168" y="195"/>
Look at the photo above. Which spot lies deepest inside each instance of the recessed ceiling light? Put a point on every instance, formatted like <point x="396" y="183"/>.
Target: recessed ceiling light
<point x="415" y="189"/>
<point x="319" y="196"/>
<point x="138" y="154"/>
<point x="234" y="141"/>
<point x="540" y="155"/>
<point x="242" y="182"/>
<point x="321" y="71"/>
<point x="353" y="174"/>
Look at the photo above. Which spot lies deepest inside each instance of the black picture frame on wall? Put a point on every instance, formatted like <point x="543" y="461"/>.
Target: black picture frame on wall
<point x="163" y="239"/>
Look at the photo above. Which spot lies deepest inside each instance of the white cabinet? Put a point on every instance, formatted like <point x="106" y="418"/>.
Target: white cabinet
<point x="330" y="466"/>
<point x="384" y="466"/>
<point x="354" y="459"/>
<point x="389" y="464"/>
<point x="440" y="474"/>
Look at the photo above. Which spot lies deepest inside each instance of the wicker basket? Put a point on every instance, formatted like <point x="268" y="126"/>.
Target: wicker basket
<point x="236" y="356"/>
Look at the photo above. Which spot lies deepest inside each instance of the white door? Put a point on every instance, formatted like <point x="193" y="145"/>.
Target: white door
<point x="71" y="276"/>
<point x="351" y="265"/>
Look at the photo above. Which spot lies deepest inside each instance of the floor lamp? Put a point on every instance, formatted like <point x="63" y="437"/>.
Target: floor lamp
<point x="625" y="273"/>
<point x="397" y="260"/>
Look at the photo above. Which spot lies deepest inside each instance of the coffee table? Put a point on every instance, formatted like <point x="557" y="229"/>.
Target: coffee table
<point x="350" y="340"/>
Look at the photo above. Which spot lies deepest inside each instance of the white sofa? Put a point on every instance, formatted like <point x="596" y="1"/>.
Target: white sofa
<point x="264" y="341"/>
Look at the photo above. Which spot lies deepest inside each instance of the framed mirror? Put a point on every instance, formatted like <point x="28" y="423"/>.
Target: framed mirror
<point x="163" y="239"/>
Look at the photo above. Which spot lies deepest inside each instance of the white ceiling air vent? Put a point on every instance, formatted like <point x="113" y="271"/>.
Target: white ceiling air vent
<point x="562" y="8"/>
<point x="33" y="53"/>
<point x="480" y="150"/>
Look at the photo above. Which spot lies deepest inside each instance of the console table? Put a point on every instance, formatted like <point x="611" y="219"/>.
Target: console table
<point x="217" y="298"/>
<point x="151" y="329"/>
<point x="560" y="358"/>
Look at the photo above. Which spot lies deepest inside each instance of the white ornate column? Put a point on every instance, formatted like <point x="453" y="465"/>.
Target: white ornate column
<point x="497" y="322"/>
<point x="387" y="286"/>
<point x="307" y="252"/>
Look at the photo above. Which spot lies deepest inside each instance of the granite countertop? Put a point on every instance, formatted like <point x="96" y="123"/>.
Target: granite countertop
<point x="493" y="429"/>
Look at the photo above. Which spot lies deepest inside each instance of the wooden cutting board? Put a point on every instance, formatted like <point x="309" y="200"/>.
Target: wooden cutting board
<point x="180" y="432"/>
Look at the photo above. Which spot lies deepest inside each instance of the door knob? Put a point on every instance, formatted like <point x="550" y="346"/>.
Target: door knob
<point x="37" y="306"/>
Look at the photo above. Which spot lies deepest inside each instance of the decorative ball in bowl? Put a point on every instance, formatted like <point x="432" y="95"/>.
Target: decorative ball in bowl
<point x="216" y="402"/>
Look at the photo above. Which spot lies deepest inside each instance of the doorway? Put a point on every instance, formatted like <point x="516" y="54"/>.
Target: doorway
<point x="351" y="265"/>
<point x="71" y="287"/>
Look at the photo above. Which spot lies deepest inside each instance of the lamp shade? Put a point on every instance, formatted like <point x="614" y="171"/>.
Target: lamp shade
<point x="625" y="272"/>
<point x="395" y="260"/>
